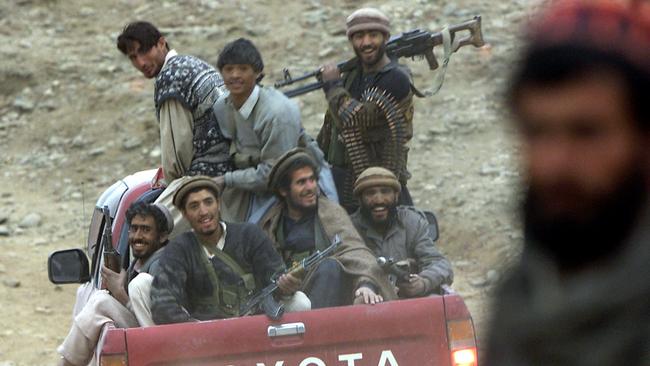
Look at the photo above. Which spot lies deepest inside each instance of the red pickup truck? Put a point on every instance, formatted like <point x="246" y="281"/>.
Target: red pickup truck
<point x="435" y="330"/>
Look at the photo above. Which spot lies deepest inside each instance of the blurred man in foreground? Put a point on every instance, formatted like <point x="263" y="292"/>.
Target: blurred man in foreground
<point x="580" y="294"/>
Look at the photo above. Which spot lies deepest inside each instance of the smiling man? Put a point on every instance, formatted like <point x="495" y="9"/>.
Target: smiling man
<point x="398" y="232"/>
<point x="302" y="222"/>
<point x="125" y="302"/>
<point x="209" y="272"/>
<point x="370" y="109"/>
<point x="262" y="123"/>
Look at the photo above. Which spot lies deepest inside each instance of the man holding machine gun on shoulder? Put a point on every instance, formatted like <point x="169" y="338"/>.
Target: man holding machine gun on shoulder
<point x="303" y="223"/>
<point x="399" y="234"/>
<point x="356" y="133"/>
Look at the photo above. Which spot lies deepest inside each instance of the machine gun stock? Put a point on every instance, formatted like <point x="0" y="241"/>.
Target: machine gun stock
<point x="264" y="299"/>
<point x="413" y="43"/>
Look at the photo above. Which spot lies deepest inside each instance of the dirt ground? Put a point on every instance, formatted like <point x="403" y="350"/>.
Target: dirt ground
<point x="75" y="116"/>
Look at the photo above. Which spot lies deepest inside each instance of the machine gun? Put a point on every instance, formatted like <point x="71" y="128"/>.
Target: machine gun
<point x="111" y="256"/>
<point x="413" y="43"/>
<point x="264" y="299"/>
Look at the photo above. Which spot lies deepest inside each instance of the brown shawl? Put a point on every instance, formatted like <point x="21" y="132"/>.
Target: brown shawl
<point x="353" y="255"/>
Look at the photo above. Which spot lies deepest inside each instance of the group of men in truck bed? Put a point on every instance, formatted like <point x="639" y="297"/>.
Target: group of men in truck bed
<point x="580" y="293"/>
<point x="250" y="194"/>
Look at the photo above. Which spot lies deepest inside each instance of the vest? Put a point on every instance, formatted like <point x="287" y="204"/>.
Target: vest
<point x="197" y="85"/>
<point x="227" y="296"/>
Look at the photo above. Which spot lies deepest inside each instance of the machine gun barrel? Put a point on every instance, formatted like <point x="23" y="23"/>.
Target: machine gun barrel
<point x="413" y="43"/>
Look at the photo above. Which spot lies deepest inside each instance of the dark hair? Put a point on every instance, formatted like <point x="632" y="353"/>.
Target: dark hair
<point x="241" y="51"/>
<point x="550" y="66"/>
<point x="284" y="181"/>
<point x="145" y="33"/>
<point x="199" y="188"/>
<point x="147" y="209"/>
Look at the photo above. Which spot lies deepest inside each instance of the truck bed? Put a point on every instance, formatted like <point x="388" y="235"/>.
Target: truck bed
<point x="405" y="332"/>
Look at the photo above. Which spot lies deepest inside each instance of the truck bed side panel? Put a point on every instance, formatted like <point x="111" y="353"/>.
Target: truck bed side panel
<point x="408" y="332"/>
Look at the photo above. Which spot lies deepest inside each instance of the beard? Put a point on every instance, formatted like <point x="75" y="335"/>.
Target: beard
<point x="295" y="204"/>
<point x="366" y="212"/>
<point x="150" y="247"/>
<point x="575" y="240"/>
<point x="381" y="50"/>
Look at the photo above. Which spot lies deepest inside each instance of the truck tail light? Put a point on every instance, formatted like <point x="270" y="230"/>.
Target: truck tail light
<point x="462" y="342"/>
<point x="113" y="360"/>
<point x="464" y="357"/>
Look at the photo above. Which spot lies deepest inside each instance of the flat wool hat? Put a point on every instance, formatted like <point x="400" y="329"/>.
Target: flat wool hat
<point x="367" y="19"/>
<point x="280" y="167"/>
<point x="199" y="181"/>
<point x="376" y="176"/>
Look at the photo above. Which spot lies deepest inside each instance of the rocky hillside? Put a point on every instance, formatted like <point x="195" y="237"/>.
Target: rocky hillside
<point x="75" y="116"/>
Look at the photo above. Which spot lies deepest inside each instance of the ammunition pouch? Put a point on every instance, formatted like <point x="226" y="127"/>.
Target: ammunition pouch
<point x="227" y="296"/>
<point x="233" y="296"/>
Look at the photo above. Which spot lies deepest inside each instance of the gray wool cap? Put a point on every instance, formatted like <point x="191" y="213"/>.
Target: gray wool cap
<point x="367" y="19"/>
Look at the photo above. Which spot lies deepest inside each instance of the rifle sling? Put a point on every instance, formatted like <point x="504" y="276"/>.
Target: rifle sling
<point x="449" y="47"/>
<point x="227" y="297"/>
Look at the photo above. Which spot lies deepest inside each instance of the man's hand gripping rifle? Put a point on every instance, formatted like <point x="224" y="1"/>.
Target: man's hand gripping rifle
<point x="413" y="43"/>
<point x="111" y="256"/>
<point x="264" y="299"/>
<point x="398" y="272"/>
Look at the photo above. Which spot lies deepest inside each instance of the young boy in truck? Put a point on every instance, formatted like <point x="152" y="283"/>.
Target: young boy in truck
<point x="263" y="124"/>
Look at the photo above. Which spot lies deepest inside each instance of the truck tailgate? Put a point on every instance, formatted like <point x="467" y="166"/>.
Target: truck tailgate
<point x="407" y="332"/>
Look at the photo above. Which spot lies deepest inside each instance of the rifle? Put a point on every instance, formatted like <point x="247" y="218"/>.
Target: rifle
<point x="111" y="256"/>
<point x="398" y="272"/>
<point x="413" y="43"/>
<point x="264" y="299"/>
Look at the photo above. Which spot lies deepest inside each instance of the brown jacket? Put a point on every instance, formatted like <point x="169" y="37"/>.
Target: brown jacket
<point x="355" y="258"/>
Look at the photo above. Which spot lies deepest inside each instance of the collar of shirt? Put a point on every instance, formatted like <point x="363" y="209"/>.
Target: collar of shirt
<point x="137" y="264"/>
<point x="220" y="244"/>
<point x="170" y="54"/>
<point x="389" y="66"/>
<point x="308" y="217"/>
<point x="247" y="108"/>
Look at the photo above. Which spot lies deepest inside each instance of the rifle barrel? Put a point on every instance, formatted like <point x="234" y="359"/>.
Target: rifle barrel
<point x="303" y="89"/>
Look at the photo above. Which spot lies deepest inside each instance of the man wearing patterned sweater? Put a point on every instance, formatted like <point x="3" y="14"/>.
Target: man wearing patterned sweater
<point x="185" y="90"/>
